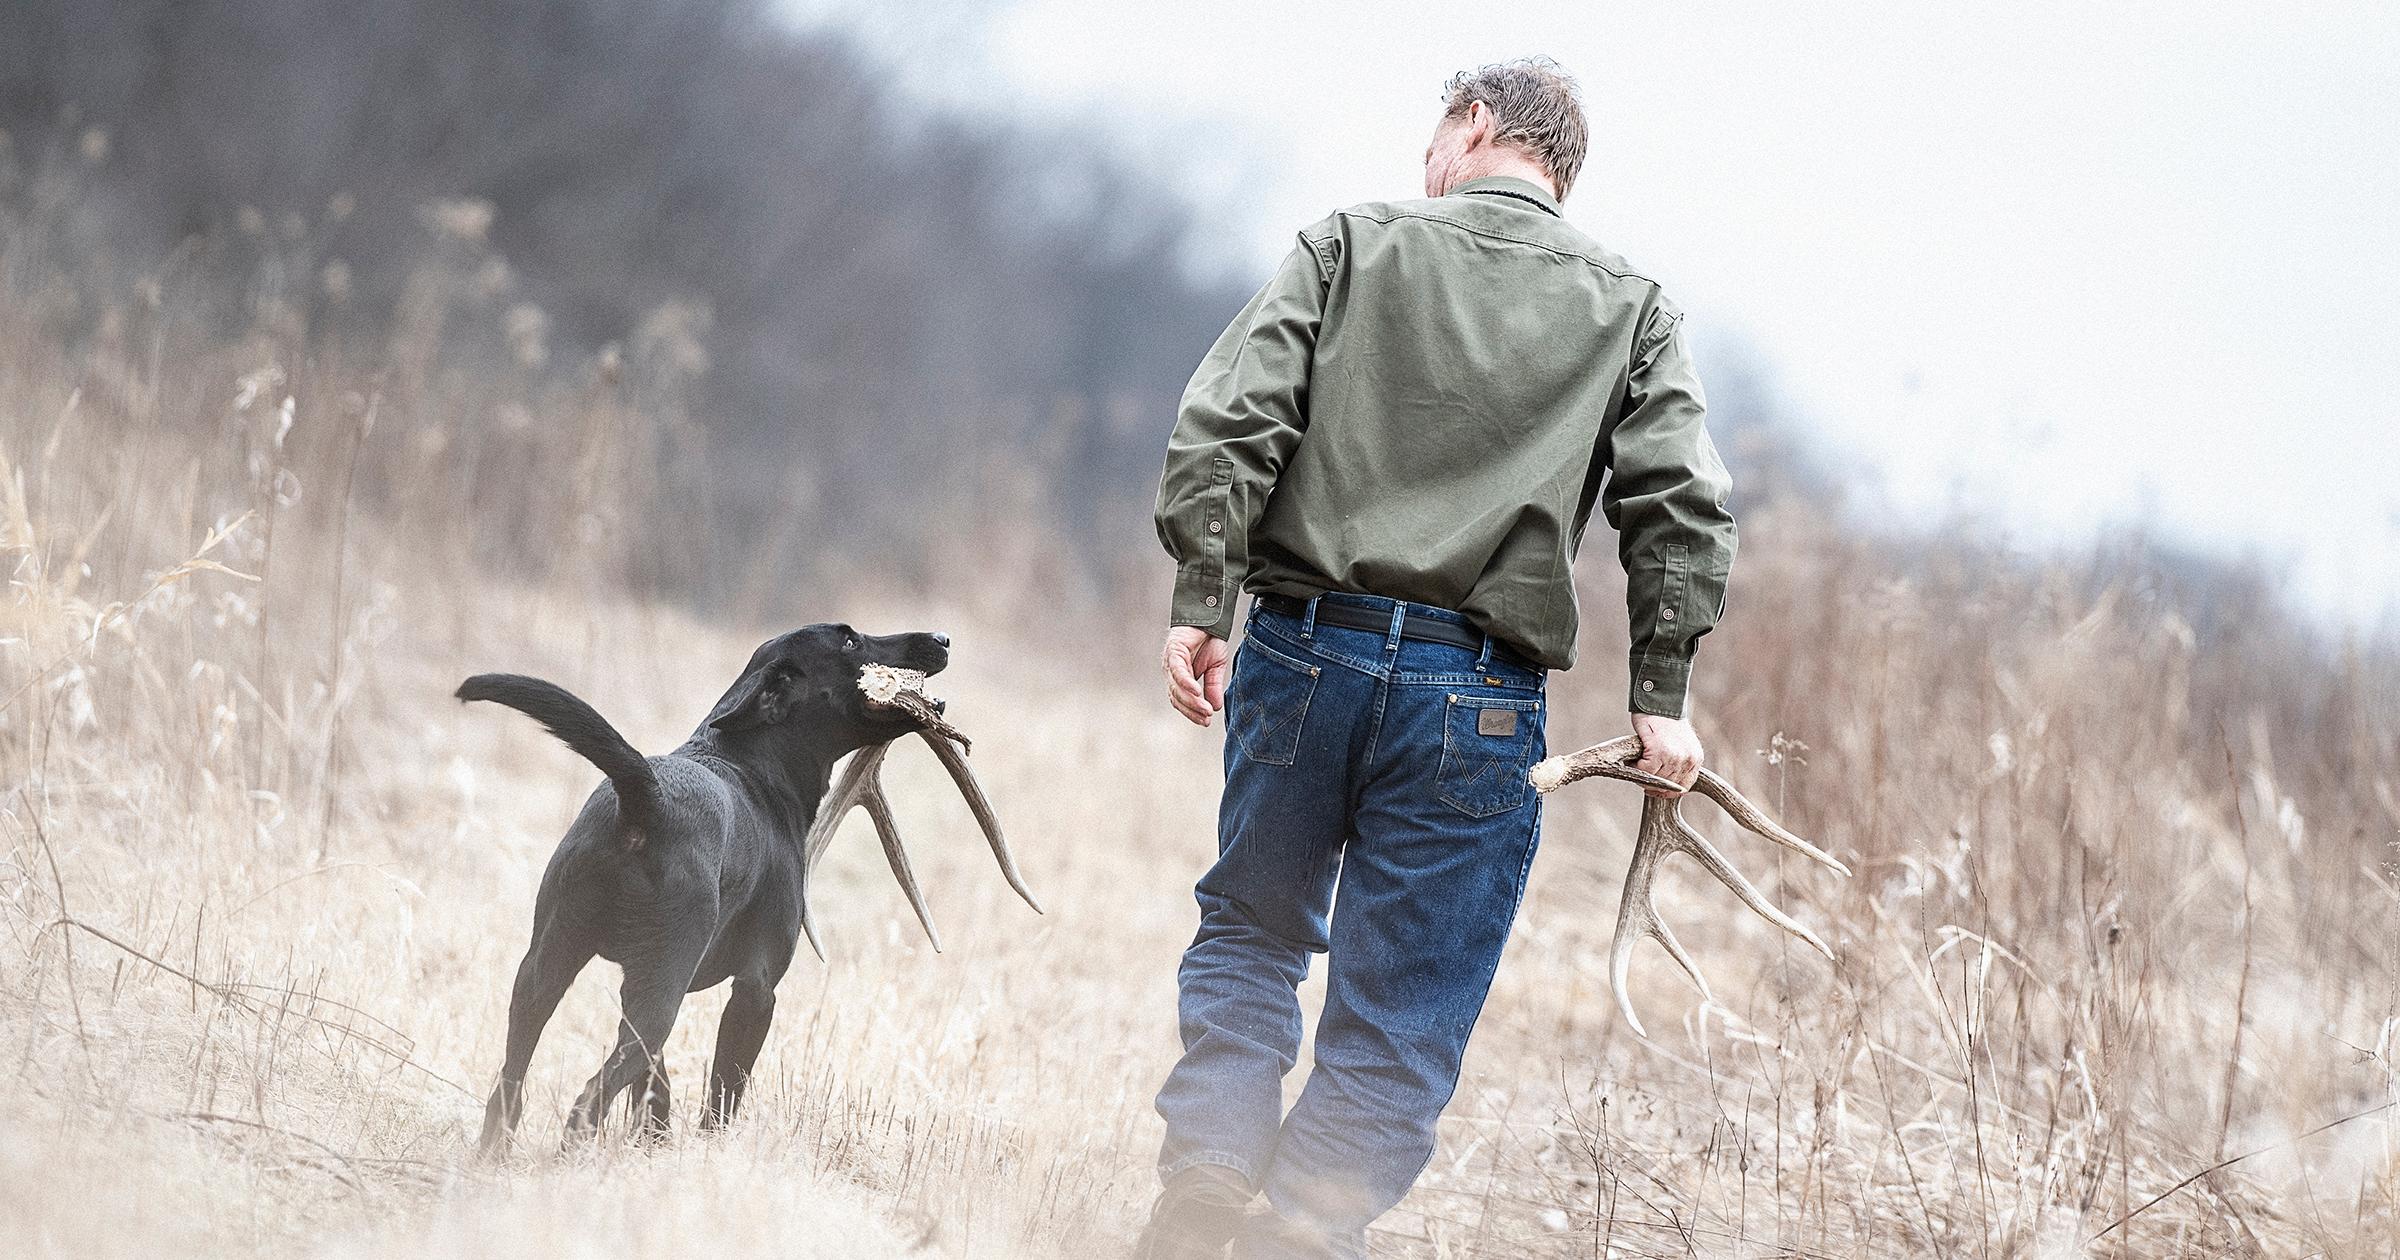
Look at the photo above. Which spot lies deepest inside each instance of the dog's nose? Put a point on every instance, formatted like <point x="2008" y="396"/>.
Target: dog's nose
<point x="941" y="638"/>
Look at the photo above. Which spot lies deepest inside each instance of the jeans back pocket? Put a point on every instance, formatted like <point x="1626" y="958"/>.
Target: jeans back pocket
<point x="1487" y="747"/>
<point x="1267" y="702"/>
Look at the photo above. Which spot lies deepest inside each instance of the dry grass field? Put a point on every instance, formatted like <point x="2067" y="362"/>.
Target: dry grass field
<point x="2127" y="901"/>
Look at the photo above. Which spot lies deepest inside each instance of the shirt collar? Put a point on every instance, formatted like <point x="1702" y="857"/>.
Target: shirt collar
<point x="1508" y="188"/>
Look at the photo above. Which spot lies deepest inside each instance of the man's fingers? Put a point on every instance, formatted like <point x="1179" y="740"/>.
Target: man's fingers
<point x="1190" y="709"/>
<point x="1666" y="766"/>
<point x="1215" y="688"/>
<point x="1187" y="700"/>
<point x="1178" y="664"/>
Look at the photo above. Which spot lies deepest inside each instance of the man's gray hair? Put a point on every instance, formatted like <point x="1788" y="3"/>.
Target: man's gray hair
<point x="1537" y="108"/>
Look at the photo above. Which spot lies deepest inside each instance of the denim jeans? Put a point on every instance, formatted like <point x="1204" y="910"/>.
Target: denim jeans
<point x="1376" y="810"/>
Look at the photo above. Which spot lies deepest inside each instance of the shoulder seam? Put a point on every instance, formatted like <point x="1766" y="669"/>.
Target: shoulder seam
<point x="1666" y="320"/>
<point x="1319" y="248"/>
<point x="1545" y="246"/>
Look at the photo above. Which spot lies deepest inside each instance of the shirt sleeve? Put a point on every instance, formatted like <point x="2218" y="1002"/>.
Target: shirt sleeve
<point x="1242" y="415"/>
<point x="1665" y="497"/>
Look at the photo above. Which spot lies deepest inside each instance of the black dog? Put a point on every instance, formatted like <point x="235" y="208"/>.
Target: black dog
<point x="690" y="869"/>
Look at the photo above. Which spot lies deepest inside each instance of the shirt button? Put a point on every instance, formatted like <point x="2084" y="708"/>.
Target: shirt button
<point x="1211" y="601"/>
<point x="1667" y="615"/>
<point x="1648" y="685"/>
<point x="1216" y="527"/>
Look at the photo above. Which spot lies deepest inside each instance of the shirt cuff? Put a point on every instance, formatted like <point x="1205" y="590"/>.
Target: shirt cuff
<point x="1205" y="599"/>
<point x="1660" y="685"/>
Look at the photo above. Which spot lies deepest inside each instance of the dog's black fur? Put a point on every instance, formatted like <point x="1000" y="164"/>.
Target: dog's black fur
<point x="686" y="869"/>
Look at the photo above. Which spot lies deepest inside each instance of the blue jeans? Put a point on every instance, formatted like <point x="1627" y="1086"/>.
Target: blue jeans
<point x="1376" y="810"/>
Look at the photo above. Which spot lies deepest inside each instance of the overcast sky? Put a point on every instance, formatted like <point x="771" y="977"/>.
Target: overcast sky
<point x="2056" y="264"/>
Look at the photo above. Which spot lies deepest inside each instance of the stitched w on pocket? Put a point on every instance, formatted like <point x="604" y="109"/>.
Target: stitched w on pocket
<point x="1268" y="702"/>
<point x="1487" y="746"/>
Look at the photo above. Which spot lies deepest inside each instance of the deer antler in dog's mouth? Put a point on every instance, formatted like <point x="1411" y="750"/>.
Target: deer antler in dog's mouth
<point x="861" y="784"/>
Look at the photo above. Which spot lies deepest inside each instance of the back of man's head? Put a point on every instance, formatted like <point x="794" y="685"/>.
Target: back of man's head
<point x="1536" y="107"/>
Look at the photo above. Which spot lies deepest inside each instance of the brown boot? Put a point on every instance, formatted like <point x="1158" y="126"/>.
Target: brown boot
<point x="1197" y="1215"/>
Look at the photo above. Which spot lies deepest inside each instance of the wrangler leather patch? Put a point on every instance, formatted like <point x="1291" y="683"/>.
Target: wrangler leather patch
<point x="1496" y="722"/>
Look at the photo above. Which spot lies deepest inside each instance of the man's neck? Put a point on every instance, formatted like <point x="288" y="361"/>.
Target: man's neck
<point x="1512" y="167"/>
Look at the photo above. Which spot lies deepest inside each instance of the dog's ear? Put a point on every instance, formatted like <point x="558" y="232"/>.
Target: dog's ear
<point x="766" y="696"/>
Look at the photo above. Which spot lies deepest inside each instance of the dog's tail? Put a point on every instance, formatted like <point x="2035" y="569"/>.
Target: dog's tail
<point x="583" y="729"/>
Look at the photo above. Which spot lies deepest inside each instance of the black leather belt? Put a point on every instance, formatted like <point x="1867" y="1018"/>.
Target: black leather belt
<point x="1412" y="626"/>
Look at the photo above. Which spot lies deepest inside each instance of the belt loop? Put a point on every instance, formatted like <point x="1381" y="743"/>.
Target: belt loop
<point x="1308" y="620"/>
<point x="1391" y="642"/>
<point x="1483" y="662"/>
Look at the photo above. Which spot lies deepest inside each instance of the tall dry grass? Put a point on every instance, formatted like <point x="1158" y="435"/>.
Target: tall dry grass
<point x="2126" y="906"/>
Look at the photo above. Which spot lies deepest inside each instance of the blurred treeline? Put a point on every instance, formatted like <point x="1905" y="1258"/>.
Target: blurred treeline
<point x="837" y="315"/>
<point x="675" y="297"/>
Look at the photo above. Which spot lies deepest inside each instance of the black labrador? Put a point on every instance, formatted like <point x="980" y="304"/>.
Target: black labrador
<point x="690" y="869"/>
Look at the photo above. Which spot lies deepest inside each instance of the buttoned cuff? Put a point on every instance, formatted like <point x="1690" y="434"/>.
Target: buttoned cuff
<point x="1204" y="598"/>
<point x="1660" y="685"/>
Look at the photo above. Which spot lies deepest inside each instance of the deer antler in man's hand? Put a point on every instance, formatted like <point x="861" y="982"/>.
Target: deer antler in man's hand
<point x="1664" y="831"/>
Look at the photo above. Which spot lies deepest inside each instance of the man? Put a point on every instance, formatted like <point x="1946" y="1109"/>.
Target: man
<point x="1395" y="448"/>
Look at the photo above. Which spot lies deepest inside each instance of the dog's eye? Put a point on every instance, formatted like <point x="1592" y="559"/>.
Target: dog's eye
<point x="850" y="643"/>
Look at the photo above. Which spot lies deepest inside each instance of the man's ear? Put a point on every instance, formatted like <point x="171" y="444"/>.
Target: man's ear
<point x="766" y="697"/>
<point x="1482" y="125"/>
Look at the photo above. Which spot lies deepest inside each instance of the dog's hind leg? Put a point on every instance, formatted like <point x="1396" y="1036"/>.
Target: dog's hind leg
<point x="652" y="995"/>
<point x="641" y="1038"/>
<point x="656" y="1104"/>
<point x="740" y="1034"/>
<point x="551" y="964"/>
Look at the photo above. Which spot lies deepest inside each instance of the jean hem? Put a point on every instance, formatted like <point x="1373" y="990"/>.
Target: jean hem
<point x="1223" y="1159"/>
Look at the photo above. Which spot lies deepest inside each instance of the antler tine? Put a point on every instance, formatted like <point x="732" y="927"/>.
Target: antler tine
<point x="1714" y="862"/>
<point x="859" y="781"/>
<point x="1750" y="816"/>
<point x="1663" y="830"/>
<point x="1637" y="913"/>
<point x="861" y="784"/>
<point x="888" y="831"/>
<point x="984" y="816"/>
<point x="860" y="777"/>
<point x="809" y="925"/>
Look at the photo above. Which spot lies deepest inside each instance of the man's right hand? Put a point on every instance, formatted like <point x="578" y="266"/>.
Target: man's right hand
<point x="1670" y="750"/>
<point x="1196" y="663"/>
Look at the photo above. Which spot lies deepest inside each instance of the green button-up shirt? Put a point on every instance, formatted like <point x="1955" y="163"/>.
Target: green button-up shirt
<point x="1425" y="403"/>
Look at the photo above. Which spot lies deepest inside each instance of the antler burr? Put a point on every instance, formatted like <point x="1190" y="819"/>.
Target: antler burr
<point x="1664" y="831"/>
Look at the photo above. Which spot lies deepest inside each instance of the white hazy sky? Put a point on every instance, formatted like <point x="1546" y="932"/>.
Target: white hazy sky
<point x="2059" y="264"/>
